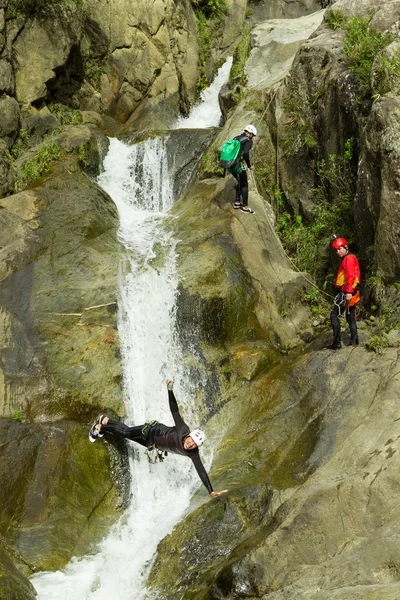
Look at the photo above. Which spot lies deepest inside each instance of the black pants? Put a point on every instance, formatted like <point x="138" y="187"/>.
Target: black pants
<point x="141" y="434"/>
<point x="351" y="318"/>
<point x="242" y="188"/>
<point x="138" y="433"/>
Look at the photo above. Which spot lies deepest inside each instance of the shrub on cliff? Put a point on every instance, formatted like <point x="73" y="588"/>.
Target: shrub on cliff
<point x="31" y="8"/>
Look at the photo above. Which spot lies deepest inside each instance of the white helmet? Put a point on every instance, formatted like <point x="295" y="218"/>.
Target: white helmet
<point x="197" y="436"/>
<point x="251" y="129"/>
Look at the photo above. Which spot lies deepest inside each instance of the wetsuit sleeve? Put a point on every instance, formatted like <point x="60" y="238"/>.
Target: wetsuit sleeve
<point x="202" y="473"/>
<point x="352" y="271"/>
<point x="180" y="424"/>
<point x="246" y="151"/>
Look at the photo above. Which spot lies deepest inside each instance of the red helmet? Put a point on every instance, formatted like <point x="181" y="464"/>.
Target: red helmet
<point x="339" y="243"/>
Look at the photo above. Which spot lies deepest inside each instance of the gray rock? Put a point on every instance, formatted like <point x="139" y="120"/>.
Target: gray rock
<point x="9" y="123"/>
<point x="7" y="170"/>
<point x="7" y="85"/>
<point x="37" y="126"/>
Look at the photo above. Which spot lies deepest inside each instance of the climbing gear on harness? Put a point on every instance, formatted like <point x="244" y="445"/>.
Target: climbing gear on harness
<point x="147" y="426"/>
<point x="341" y="302"/>
<point x="197" y="436"/>
<point x="159" y="455"/>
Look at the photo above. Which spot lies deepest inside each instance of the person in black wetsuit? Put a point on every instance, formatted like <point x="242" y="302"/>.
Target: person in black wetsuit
<point x="239" y="170"/>
<point x="177" y="440"/>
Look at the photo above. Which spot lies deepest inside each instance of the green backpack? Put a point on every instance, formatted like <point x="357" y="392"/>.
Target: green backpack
<point x="230" y="152"/>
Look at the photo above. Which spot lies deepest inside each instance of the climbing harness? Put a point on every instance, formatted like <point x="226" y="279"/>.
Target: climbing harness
<point x="147" y="426"/>
<point x="341" y="303"/>
<point x="159" y="455"/>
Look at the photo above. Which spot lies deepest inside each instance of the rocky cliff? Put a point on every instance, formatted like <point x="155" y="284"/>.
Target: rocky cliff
<point x="308" y="438"/>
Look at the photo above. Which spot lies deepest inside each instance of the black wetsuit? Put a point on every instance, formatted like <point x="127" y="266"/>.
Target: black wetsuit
<point x="240" y="174"/>
<point x="169" y="439"/>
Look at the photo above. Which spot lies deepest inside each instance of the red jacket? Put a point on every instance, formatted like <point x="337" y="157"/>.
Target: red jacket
<point x="348" y="277"/>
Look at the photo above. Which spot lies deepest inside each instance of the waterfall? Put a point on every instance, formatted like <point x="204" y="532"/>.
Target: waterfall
<point x="207" y="112"/>
<point x="136" y="177"/>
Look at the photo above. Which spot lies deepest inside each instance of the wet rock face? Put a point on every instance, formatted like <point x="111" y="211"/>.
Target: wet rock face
<point x="12" y="583"/>
<point x="304" y="455"/>
<point x="59" y="366"/>
<point x="319" y="108"/>
<point x="57" y="287"/>
<point x="65" y="48"/>
<point x="53" y="504"/>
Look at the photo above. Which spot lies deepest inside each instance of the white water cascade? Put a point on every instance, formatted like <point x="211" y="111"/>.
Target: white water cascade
<point x="136" y="177"/>
<point x="207" y="112"/>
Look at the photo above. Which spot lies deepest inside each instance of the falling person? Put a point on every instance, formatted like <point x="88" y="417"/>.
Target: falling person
<point x="177" y="439"/>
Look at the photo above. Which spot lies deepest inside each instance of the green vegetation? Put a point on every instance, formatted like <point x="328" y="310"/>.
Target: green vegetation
<point x="94" y="69"/>
<point x="241" y="54"/>
<point x="32" y="8"/>
<point x="20" y="144"/>
<point x="209" y="15"/>
<point x="387" y="74"/>
<point x="362" y="44"/>
<point x="17" y="416"/>
<point x="38" y="165"/>
<point x="306" y="243"/>
<point x="212" y="8"/>
<point x="82" y="156"/>
<point x="335" y="19"/>
<point x="65" y="114"/>
<point x="298" y="131"/>
<point x="204" y="32"/>
<point x="378" y="343"/>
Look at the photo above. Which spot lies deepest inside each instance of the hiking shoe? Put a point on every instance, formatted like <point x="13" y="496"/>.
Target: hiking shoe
<point x="94" y="433"/>
<point x="100" y="422"/>
<point x="247" y="210"/>
<point x="353" y="343"/>
<point x="237" y="205"/>
<point x="333" y="346"/>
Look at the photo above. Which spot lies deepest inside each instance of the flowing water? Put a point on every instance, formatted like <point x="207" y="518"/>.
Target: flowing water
<point x="136" y="177"/>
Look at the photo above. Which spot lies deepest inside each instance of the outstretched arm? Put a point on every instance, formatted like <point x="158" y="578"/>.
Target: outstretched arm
<point x="203" y="474"/>
<point x="180" y="424"/>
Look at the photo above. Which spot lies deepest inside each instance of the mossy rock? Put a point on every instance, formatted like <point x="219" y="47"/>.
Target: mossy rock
<point x="13" y="585"/>
<point x="58" y="497"/>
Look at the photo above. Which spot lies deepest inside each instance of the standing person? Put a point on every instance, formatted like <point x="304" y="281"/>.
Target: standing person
<point x="177" y="440"/>
<point x="239" y="170"/>
<point x="346" y="283"/>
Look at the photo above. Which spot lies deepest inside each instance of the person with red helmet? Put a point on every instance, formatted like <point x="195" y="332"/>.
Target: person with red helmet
<point x="346" y="282"/>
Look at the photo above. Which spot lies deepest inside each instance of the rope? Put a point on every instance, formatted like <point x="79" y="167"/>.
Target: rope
<point x="291" y="261"/>
<point x="294" y="266"/>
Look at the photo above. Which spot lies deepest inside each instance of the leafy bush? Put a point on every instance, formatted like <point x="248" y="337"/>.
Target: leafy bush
<point x="211" y="8"/>
<point x="361" y="45"/>
<point x="241" y="54"/>
<point x="378" y="343"/>
<point x="38" y="165"/>
<point x="306" y="242"/>
<point x="31" y="8"/>
<point x="65" y="114"/>
<point x="335" y="19"/>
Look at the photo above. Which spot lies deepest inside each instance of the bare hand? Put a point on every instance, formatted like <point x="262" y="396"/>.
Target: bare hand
<point x="348" y="297"/>
<point x="170" y="383"/>
<point x="214" y="494"/>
